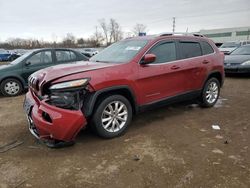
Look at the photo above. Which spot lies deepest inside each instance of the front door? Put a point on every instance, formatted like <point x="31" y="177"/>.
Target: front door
<point x="36" y="62"/>
<point x="163" y="78"/>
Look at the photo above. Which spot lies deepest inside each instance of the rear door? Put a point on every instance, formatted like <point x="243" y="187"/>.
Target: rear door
<point x="163" y="78"/>
<point x="65" y="56"/>
<point x="35" y="62"/>
<point x="191" y="54"/>
<point x="198" y="55"/>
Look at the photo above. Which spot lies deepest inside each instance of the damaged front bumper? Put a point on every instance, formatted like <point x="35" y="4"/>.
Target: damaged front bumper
<point x="51" y="123"/>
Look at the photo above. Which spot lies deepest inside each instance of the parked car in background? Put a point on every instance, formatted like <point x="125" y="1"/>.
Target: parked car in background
<point x="238" y="61"/>
<point x="6" y="55"/>
<point x="228" y="47"/>
<point x="89" y="52"/>
<point x="127" y="77"/>
<point x="14" y="76"/>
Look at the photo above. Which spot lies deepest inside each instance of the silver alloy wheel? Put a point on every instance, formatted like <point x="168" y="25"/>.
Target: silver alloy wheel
<point x="114" y="116"/>
<point x="12" y="88"/>
<point x="212" y="92"/>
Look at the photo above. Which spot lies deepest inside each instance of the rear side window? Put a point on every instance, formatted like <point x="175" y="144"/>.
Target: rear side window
<point x="164" y="52"/>
<point x="190" y="49"/>
<point x="206" y="48"/>
<point x="64" y="55"/>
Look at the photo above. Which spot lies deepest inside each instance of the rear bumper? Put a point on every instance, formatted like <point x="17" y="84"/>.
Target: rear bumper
<point x="61" y="125"/>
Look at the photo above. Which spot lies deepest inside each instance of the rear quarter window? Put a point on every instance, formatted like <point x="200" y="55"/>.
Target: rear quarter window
<point x="65" y="56"/>
<point x="190" y="49"/>
<point x="206" y="48"/>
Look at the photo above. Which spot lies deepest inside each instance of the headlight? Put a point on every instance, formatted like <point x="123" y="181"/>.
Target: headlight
<point x="70" y="84"/>
<point x="68" y="95"/>
<point x="66" y="100"/>
<point x="246" y="63"/>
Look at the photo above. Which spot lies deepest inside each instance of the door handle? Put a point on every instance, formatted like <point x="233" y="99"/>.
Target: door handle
<point x="174" y="67"/>
<point x="205" y="62"/>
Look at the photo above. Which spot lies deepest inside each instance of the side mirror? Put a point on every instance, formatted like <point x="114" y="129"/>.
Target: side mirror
<point x="27" y="63"/>
<point x="148" y="58"/>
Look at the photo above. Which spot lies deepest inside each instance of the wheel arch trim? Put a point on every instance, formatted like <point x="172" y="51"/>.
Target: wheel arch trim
<point x="89" y="106"/>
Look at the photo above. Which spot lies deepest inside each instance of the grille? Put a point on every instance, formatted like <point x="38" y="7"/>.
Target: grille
<point x="34" y="83"/>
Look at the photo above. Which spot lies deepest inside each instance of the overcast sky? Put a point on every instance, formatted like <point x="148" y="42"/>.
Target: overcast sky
<point x="52" y="19"/>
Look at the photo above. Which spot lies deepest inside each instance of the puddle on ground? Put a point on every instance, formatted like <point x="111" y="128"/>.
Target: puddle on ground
<point x="220" y="102"/>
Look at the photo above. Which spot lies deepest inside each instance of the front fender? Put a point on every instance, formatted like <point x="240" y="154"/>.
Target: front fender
<point x="91" y="98"/>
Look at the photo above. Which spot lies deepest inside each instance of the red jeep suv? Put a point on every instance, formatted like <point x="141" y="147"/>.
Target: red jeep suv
<point x="122" y="80"/>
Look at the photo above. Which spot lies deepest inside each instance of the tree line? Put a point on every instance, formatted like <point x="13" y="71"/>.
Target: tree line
<point x="106" y="33"/>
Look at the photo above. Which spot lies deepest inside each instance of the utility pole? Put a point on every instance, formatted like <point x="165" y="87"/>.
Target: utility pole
<point x="173" y="24"/>
<point x="248" y="33"/>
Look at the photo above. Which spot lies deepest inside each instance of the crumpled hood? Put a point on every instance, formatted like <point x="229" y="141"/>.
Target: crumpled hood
<point x="236" y="58"/>
<point x="59" y="71"/>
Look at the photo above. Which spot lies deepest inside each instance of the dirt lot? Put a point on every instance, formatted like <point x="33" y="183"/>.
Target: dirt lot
<point x="169" y="147"/>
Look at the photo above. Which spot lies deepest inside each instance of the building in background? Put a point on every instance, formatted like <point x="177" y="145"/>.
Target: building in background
<point x="220" y="36"/>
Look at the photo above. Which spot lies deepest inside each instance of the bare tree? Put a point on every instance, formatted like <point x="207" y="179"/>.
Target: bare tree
<point x="69" y="40"/>
<point x="115" y="31"/>
<point x="112" y="31"/>
<point x="97" y="37"/>
<point x="139" y="28"/>
<point x="105" y="30"/>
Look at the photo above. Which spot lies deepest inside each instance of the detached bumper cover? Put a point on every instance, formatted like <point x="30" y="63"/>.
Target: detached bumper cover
<point x="62" y="124"/>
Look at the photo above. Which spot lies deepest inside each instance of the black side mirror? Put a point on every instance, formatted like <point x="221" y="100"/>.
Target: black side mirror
<point x="27" y="63"/>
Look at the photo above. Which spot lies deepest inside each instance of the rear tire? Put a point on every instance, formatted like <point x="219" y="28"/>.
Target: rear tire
<point x="210" y="93"/>
<point x="11" y="87"/>
<point x="112" y="116"/>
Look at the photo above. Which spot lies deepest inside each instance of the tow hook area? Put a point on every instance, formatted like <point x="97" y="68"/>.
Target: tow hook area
<point x="56" y="144"/>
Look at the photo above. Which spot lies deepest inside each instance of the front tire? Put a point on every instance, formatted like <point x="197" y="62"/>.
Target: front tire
<point x="11" y="87"/>
<point x="112" y="116"/>
<point x="210" y="93"/>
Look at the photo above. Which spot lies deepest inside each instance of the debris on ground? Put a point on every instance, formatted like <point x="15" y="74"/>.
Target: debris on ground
<point x="33" y="147"/>
<point x="217" y="151"/>
<point x="216" y="127"/>
<point x="226" y="142"/>
<point x="21" y="183"/>
<point x="10" y="146"/>
<point x="136" y="157"/>
<point x="219" y="137"/>
<point x="203" y="130"/>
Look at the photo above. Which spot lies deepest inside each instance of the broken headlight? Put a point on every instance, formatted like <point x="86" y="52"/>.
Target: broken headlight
<point x="68" y="95"/>
<point x="66" y="100"/>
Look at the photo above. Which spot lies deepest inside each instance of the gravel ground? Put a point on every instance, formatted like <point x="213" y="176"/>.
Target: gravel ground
<point x="173" y="146"/>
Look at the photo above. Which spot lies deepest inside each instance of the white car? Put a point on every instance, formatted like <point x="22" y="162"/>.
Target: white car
<point x="228" y="47"/>
<point x="89" y="52"/>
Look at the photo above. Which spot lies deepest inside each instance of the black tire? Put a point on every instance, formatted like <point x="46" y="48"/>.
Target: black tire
<point x="16" y="91"/>
<point x="204" y="101"/>
<point x="96" y="122"/>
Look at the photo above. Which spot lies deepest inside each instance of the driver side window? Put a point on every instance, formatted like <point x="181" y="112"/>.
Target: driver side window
<point x="165" y="52"/>
<point x="40" y="58"/>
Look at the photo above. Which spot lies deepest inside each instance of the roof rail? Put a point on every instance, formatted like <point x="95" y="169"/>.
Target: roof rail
<point x="183" y="34"/>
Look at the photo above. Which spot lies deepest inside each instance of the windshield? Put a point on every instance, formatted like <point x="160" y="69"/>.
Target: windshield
<point x="230" y="45"/>
<point x="21" y="58"/>
<point x="244" y="50"/>
<point x="120" y="52"/>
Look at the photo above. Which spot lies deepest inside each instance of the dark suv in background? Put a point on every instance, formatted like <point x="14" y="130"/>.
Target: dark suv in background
<point x="128" y="77"/>
<point x="14" y="76"/>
